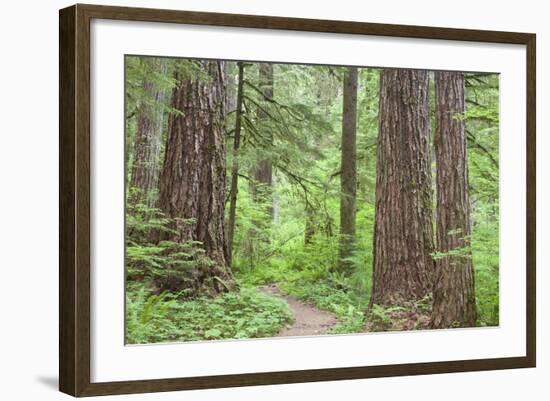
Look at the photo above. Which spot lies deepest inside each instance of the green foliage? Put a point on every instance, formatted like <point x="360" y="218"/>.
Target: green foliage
<point x="454" y="254"/>
<point x="486" y="264"/>
<point x="308" y="274"/>
<point x="169" y="264"/>
<point x="482" y="118"/>
<point x="381" y="318"/>
<point x="145" y="315"/>
<point x="299" y="132"/>
<point x="162" y="318"/>
<point x="334" y="295"/>
<point x="409" y="316"/>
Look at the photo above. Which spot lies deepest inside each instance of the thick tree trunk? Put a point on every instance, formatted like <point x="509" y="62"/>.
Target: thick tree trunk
<point x="146" y="163"/>
<point x="403" y="267"/>
<point x="235" y="166"/>
<point x="192" y="182"/>
<point x="348" y="177"/>
<point x="454" y="302"/>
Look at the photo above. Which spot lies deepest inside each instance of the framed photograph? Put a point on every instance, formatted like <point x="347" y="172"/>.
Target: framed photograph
<point x="249" y="200"/>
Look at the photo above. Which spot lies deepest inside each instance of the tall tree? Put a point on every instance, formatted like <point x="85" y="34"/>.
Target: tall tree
<point x="326" y="86"/>
<point x="403" y="235"/>
<point x="454" y="303"/>
<point x="348" y="176"/>
<point x="192" y="182"/>
<point x="235" y="164"/>
<point x="147" y="143"/>
<point x="261" y="184"/>
<point x="263" y="172"/>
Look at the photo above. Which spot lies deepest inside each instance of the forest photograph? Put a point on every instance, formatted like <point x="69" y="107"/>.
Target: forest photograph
<point x="281" y="200"/>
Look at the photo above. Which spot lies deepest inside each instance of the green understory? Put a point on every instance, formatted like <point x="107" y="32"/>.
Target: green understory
<point x="163" y="318"/>
<point x="306" y="273"/>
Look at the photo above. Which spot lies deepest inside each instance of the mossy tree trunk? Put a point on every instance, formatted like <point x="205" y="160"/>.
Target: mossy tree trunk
<point x="147" y="144"/>
<point x="263" y="173"/>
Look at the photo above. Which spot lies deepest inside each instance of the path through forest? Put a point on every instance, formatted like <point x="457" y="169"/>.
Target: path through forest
<point x="308" y="320"/>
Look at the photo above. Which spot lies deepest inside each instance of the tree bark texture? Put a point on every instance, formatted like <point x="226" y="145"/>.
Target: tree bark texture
<point x="348" y="177"/>
<point x="192" y="182"/>
<point x="147" y="144"/>
<point x="454" y="293"/>
<point x="235" y="165"/>
<point x="403" y="267"/>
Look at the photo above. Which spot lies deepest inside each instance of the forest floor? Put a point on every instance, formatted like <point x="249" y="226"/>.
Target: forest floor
<point x="308" y="320"/>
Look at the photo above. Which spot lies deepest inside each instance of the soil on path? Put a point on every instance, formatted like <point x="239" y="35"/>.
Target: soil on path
<point x="308" y="320"/>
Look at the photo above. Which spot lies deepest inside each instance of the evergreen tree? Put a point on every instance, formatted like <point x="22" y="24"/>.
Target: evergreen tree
<point x="192" y="183"/>
<point x="403" y="235"/>
<point x="348" y="176"/>
<point x="454" y="301"/>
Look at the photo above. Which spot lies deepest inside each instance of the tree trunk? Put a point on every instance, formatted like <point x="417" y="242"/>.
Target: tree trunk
<point x="454" y="303"/>
<point x="192" y="182"/>
<point x="230" y="89"/>
<point x="235" y="165"/>
<point x="348" y="177"/>
<point x="263" y="174"/>
<point x="146" y="163"/>
<point x="261" y="184"/>
<point x="310" y="226"/>
<point x="403" y="267"/>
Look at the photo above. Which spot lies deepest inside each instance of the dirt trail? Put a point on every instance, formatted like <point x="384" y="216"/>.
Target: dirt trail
<point x="308" y="320"/>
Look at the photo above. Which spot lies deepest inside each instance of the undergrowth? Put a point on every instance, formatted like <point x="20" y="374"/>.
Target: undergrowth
<point x="306" y="272"/>
<point x="309" y="275"/>
<point x="241" y="314"/>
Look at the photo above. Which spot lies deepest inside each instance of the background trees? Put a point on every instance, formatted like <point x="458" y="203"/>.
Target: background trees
<point x="147" y="143"/>
<point x="348" y="180"/>
<point x="263" y="172"/>
<point x="233" y="191"/>
<point x="328" y="196"/>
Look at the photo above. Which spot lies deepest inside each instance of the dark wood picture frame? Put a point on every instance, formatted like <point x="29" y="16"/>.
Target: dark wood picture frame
<point x="74" y="199"/>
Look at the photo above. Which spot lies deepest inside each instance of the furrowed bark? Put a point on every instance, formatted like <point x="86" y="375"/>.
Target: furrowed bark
<point x="192" y="182"/>
<point x="454" y="303"/>
<point x="403" y="267"/>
